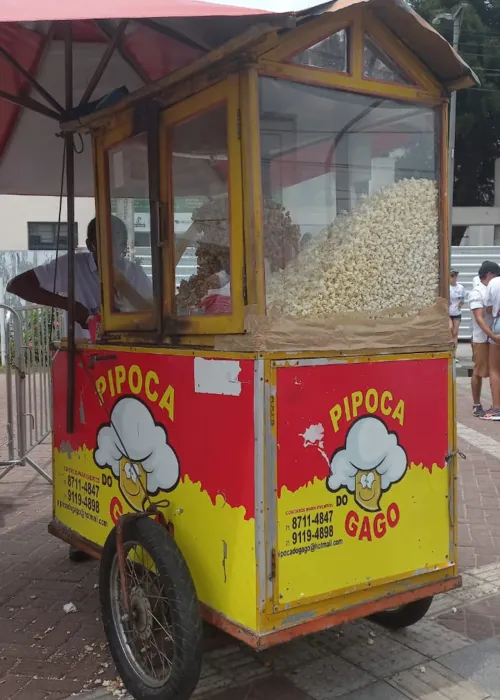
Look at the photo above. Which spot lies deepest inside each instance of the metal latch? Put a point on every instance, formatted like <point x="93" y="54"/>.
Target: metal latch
<point x="449" y="457"/>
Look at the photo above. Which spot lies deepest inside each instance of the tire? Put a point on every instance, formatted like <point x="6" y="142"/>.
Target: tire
<point x="404" y="616"/>
<point x="165" y="598"/>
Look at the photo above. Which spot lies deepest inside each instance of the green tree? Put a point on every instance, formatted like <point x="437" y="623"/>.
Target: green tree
<point x="478" y="109"/>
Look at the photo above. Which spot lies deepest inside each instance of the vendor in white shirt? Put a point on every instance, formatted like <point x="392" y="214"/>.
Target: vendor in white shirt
<point x="481" y="333"/>
<point x="48" y="284"/>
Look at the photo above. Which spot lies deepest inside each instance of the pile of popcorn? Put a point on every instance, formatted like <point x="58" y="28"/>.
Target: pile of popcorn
<point x="382" y="255"/>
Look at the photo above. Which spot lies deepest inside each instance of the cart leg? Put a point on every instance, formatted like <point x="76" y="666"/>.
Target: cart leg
<point x="77" y="555"/>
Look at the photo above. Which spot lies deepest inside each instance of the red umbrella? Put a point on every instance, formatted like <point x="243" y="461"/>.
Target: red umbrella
<point x="140" y="50"/>
<point x="108" y="51"/>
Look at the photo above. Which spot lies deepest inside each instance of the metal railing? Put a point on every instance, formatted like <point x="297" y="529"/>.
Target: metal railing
<point x="27" y="334"/>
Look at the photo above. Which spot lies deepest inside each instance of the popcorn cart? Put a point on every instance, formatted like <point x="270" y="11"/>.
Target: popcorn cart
<point x="267" y="440"/>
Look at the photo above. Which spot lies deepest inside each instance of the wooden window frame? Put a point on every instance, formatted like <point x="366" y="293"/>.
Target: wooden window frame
<point x="226" y="92"/>
<point x="275" y="60"/>
<point x="123" y="130"/>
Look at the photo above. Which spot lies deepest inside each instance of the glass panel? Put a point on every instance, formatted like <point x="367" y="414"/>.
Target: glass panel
<point x="378" y="66"/>
<point x="330" y="53"/>
<point x="200" y="168"/>
<point x="350" y="201"/>
<point x="130" y="234"/>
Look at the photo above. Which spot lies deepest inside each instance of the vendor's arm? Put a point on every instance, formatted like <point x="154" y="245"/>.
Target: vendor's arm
<point x="34" y="285"/>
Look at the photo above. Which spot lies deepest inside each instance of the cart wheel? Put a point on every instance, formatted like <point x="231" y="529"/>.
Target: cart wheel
<point x="404" y="616"/>
<point x="157" y="649"/>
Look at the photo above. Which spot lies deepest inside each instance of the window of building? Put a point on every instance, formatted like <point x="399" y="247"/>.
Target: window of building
<point x="42" y="235"/>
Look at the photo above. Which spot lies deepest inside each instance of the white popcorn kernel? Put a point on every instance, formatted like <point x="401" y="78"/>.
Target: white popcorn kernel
<point x="382" y="255"/>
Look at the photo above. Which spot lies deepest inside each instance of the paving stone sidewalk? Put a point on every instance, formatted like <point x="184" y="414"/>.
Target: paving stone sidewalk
<point x="48" y="655"/>
<point x="479" y="483"/>
<point x="454" y="654"/>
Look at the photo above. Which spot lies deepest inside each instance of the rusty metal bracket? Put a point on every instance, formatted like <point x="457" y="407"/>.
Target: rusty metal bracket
<point x="94" y="359"/>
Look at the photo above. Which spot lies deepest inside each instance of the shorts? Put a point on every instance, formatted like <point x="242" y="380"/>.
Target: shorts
<point x="495" y="327"/>
<point x="456" y="318"/>
<point x="480" y="356"/>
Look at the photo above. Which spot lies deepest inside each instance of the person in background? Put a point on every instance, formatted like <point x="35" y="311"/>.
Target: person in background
<point x="457" y="298"/>
<point x="476" y="279"/>
<point x="47" y="285"/>
<point x="481" y="332"/>
<point x="492" y="306"/>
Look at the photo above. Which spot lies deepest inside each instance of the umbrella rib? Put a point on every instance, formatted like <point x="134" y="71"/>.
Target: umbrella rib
<point x="171" y="33"/>
<point x="105" y="59"/>
<point x="30" y="103"/>
<point x="105" y="28"/>
<point x="32" y="80"/>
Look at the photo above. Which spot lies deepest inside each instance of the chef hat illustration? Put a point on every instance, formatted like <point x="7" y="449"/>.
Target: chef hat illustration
<point x="369" y="446"/>
<point x="132" y="433"/>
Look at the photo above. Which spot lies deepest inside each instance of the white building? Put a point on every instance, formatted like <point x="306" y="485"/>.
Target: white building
<point x="30" y="223"/>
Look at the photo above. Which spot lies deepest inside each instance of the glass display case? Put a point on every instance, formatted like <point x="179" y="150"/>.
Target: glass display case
<point x="307" y="181"/>
<point x="350" y="201"/>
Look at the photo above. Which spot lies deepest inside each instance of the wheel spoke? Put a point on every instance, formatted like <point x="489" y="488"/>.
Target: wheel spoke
<point x="145" y="630"/>
<point x="167" y="633"/>
<point x="161" y="654"/>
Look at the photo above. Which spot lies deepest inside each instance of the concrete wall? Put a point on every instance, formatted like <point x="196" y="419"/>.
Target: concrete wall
<point x="305" y="201"/>
<point x="479" y="236"/>
<point x="16" y="212"/>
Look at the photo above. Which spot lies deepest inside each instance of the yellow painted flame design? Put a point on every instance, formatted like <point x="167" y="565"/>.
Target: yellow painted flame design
<point x="216" y="540"/>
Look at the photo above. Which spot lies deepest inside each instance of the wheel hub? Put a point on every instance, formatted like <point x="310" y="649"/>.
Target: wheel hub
<point x="140" y="609"/>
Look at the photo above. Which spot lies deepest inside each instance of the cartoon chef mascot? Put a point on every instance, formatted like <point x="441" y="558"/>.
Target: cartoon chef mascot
<point x="136" y="449"/>
<point x="369" y="463"/>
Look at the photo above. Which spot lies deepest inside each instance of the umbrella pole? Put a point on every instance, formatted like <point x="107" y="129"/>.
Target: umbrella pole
<point x="70" y="199"/>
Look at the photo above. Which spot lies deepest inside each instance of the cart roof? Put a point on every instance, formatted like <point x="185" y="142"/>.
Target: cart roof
<point x="31" y="33"/>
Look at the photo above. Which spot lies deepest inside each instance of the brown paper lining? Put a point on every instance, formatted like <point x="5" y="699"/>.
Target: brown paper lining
<point x="428" y="329"/>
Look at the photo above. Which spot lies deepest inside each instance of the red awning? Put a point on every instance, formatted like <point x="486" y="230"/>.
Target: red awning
<point x="49" y="10"/>
<point x="30" y="155"/>
<point x="160" y="37"/>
